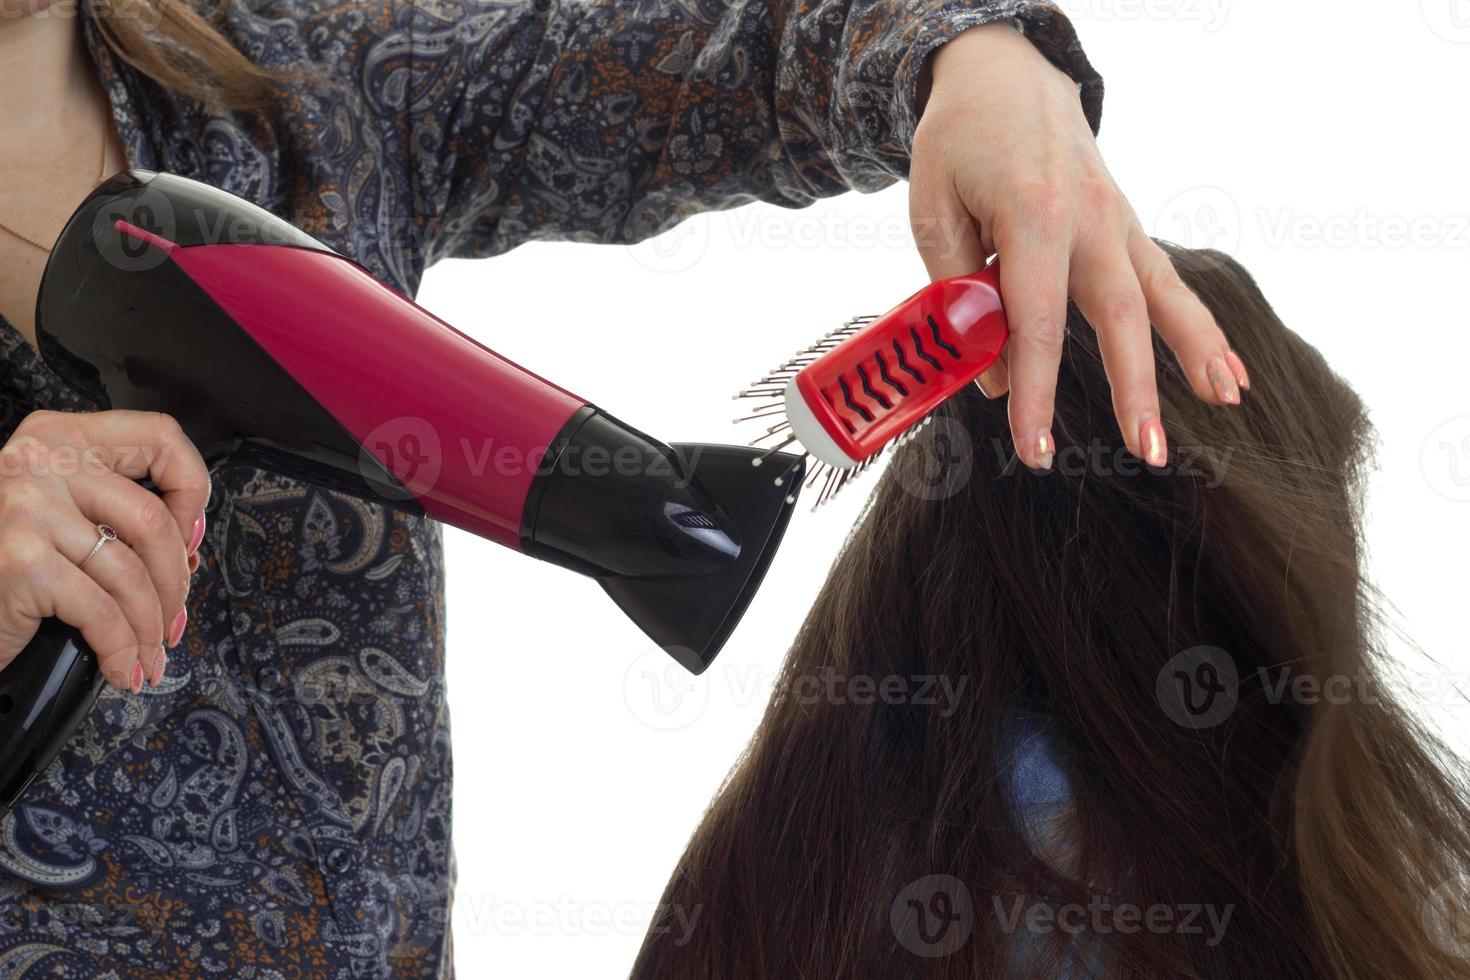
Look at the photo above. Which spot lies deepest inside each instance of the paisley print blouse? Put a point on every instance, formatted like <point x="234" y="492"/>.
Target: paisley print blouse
<point x="280" y="805"/>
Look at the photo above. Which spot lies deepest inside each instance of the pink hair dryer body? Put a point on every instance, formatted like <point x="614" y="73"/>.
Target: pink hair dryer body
<point x="273" y="351"/>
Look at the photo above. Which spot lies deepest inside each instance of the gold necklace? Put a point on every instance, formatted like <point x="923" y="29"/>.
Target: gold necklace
<point x="101" y="176"/>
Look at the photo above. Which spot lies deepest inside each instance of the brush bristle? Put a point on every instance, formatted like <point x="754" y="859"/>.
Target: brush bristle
<point x="772" y="413"/>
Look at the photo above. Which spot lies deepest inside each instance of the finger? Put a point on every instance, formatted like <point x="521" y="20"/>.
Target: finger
<point x="114" y="566"/>
<point x="1185" y="323"/>
<point x="943" y="229"/>
<point x="1106" y="289"/>
<point x="144" y="522"/>
<point x="81" y="602"/>
<point x="1033" y="282"/>
<point x="119" y="570"/>
<point x="152" y="445"/>
<point x="55" y="587"/>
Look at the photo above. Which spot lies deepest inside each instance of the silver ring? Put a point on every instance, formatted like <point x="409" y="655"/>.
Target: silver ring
<point x="105" y="534"/>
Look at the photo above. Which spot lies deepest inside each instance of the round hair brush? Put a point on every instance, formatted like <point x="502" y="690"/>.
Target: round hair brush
<point x="875" y="381"/>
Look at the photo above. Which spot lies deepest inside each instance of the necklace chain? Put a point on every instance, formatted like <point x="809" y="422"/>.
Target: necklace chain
<point x="101" y="176"/>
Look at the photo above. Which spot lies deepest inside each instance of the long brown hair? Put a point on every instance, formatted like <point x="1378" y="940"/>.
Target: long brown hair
<point x="182" y="50"/>
<point x="1298" y="823"/>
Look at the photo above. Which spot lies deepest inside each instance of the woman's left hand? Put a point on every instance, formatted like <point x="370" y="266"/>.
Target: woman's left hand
<point x="1004" y="162"/>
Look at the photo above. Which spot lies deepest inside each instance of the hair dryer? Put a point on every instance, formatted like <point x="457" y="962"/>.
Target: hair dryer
<point x="274" y="351"/>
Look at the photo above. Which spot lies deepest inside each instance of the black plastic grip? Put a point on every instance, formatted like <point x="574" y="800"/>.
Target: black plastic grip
<point x="45" y="693"/>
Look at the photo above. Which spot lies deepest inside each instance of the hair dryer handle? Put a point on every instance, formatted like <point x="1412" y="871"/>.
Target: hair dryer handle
<point x="44" y="695"/>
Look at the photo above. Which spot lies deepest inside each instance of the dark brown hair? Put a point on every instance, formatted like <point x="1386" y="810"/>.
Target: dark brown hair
<point x="1094" y="603"/>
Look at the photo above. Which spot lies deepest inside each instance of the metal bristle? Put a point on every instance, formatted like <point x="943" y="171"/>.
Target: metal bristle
<point x="781" y="480"/>
<point x="772" y="450"/>
<point x="770" y="389"/>
<point x="762" y="412"/>
<point x="807" y="355"/>
<point x="826" y="486"/>
<point x="768" y="392"/>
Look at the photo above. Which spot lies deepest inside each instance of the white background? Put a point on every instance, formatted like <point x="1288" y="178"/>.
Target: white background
<point x="1323" y="144"/>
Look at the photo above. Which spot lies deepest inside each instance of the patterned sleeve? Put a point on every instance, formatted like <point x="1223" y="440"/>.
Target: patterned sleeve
<point x="611" y="120"/>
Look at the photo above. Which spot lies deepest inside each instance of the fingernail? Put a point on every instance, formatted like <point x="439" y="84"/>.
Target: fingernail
<point x="1151" y="436"/>
<point x="193" y="563"/>
<point x="159" y="663"/>
<point x="995" y="380"/>
<point x="1223" y="381"/>
<point x="197" y="535"/>
<point x="176" y="628"/>
<point x="137" y="677"/>
<point x="1045" y="450"/>
<point x="1238" y="367"/>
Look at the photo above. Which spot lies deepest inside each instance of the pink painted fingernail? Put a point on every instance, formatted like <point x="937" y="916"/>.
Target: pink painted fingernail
<point x="137" y="678"/>
<point x="1151" y="437"/>
<point x="1223" y="381"/>
<point x="176" y="628"/>
<point x="197" y="535"/>
<point x="1238" y="367"/>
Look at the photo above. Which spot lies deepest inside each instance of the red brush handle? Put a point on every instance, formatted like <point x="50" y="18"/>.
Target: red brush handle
<point x="899" y="368"/>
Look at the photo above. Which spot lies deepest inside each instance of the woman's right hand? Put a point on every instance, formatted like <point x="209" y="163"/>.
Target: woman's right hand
<point x="61" y="475"/>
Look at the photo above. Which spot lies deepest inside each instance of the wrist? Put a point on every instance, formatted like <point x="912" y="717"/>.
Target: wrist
<point x="987" y="41"/>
